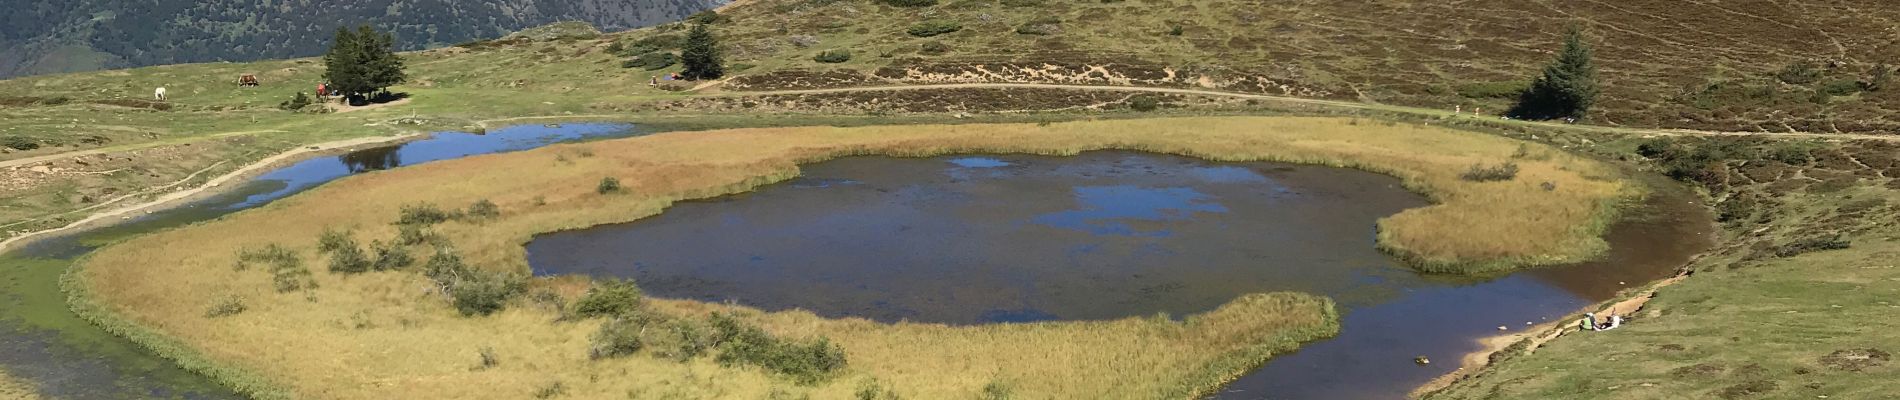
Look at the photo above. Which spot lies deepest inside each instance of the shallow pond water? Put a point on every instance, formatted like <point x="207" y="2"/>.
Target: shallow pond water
<point x="1015" y="238"/>
<point x="43" y="343"/>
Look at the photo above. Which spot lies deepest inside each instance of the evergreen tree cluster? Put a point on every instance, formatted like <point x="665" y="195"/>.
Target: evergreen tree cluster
<point x="700" y="55"/>
<point x="362" y="62"/>
<point x="1568" y="87"/>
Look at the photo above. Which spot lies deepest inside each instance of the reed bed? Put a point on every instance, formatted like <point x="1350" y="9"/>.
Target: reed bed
<point x="387" y="335"/>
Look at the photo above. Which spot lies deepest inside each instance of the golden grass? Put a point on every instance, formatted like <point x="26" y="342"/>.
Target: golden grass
<point x="382" y="335"/>
<point x="11" y="388"/>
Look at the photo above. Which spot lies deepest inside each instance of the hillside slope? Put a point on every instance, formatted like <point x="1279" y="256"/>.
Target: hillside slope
<point x="50" y="36"/>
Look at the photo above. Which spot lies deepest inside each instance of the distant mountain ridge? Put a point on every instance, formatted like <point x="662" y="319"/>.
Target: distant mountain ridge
<point x="54" y="36"/>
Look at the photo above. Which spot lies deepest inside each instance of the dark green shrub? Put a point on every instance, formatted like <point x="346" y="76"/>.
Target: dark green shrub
<point x="225" y="306"/>
<point x="807" y="363"/>
<point x="1040" y="26"/>
<point x="832" y="56"/>
<point x="706" y="17"/>
<point x="349" y="260"/>
<point x="1144" y="103"/>
<point x="616" y="48"/>
<point x="996" y="390"/>
<point x="286" y="269"/>
<point x="681" y="340"/>
<point x="933" y="48"/>
<point x="390" y="256"/>
<point x="608" y="185"/>
<point x="551" y="390"/>
<point x="1176" y="30"/>
<point x="1493" y="90"/>
<point x="617" y="337"/>
<point x="1840" y="87"/>
<point x="270" y="254"/>
<point x="1655" y="148"/>
<point x="871" y="390"/>
<point x="909" y="3"/>
<point x="332" y="240"/>
<point x="480" y="294"/>
<point x="423" y="214"/>
<point x="1800" y="73"/>
<point x="652" y="61"/>
<point x="934" y="27"/>
<point x="295" y="103"/>
<point x="1481" y="173"/>
<point x="1022" y="3"/>
<point x="1813" y="244"/>
<point x="410" y="235"/>
<point x="609" y="298"/>
<point x="483" y="209"/>
<point x="20" y="143"/>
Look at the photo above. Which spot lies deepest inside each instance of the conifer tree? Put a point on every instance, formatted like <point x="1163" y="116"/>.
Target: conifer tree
<point x="701" y="55"/>
<point x="1568" y="87"/>
<point x="362" y="62"/>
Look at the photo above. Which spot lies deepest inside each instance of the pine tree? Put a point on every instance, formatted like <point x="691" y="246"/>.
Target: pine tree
<point x="1568" y="87"/>
<point x="701" y="55"/>
<point x="362" y="62"/>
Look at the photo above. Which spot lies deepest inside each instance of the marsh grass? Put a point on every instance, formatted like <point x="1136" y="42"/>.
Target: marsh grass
<point x="1503" y="223"/>
<point x="15" y="389"/>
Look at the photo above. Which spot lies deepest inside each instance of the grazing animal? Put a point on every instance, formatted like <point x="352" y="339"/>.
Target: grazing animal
<point x="159" y="94"/>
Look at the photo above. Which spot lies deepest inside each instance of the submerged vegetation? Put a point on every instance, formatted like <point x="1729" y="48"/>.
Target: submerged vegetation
<point x="375" y="322"/>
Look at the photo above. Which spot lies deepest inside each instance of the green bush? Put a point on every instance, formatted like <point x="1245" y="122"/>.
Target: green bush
<point x="483" y="209"/>
<point x="653" y="60"/>
<point x="909" y="3"/>
<point x="607" y="298"/>
<point x="480" y="294"/>
<point x="1840" y="87"/>
<point x="807" y="363"/>
<point x="1813" y="244"/>
<point x="225" y="306"/>
<point x="706" y="17"/>
<point x="332" y="239"/>
<point x="832" y="56"/>
<point x="390" y="256"/>
<point x="934" y="27"/>
<point x="20" y="143"/>
<point x="1144" y="103"/>
<point x="410" y="235"/>
<point x="617" y="337"/>
<point x="349" y="260"/>
<point x="271" y="254"/>
<point x="1040" y="26"/>
<point x="423" y="214"/>
<point x="608" y="185"/>
<point x="1176" y="30"/>
<point x="681" y="340"/>
<point x="996" y="390"/>
<point x="295" y="103"/>
<point x="286" y="269"/>
<point x="1481" y="173"/>
<point x="871" y="390"/>
<point x="1493" y="90"/>
<point x="1800" y="73"/>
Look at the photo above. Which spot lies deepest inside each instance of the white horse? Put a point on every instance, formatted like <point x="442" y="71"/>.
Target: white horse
<point x="159" y="94"/>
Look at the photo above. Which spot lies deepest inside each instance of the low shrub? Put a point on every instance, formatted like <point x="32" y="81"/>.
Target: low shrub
<point x="1800" y="73"/>
<point x="445" y="267"/>
<point x="653" y="60"/>
<point x="617" y="337"/>
<point x="423" y="214"/>
<point x="1040" y="26"/>
<point x="607" y="298"/>
<point x="608" y="185"/>
<point x="551" y="390"/>
<point x="295" y="103"/>
<point x="1176" y="30"/>
<point x="807" y="363"/>
<point x="390" y="256"/>
<point x="1840" y="87"/>
<point x="870" y="389"/>
<point x="681" y="340"/>
<point x="349" y="260"/>
<point x="832" y="56"/>
<point x="933" y="48"/>
<point x="706" y="17"/>
<point x="487" y="359"/>
<point x="1813" y="244"/>
<point x="1481" y="173"/>
<point x="332" y="239"/>
<point x="909" y="3"/>
<point x="997" y="390"/>
<point x="481" y="294"/>
<point x="1144" y="103"/>
<point x="934" y="27"/>
<point x="286" y="268"/>
<point x="483" y="209"/>
<point x="227" y="305"/>
<point x="20" y="143"/>
<point x="410" y="235"/>
<point x="1493" y="90"/>
<point x="270" y="254"/>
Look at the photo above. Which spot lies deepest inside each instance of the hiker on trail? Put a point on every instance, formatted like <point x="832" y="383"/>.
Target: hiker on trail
<point x="159" y="94"/>
<point x="322" y="90"/>
<point x="653" y="80"/>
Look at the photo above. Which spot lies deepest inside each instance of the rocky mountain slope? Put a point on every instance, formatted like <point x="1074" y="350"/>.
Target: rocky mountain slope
<point x="52" y="36"/>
